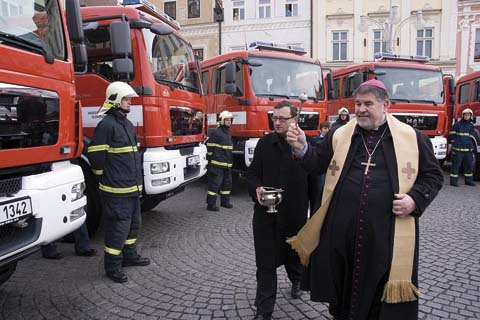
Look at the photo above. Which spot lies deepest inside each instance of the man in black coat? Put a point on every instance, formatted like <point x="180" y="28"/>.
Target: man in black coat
<point x="383" y="181"/>
<point x="273" y="165"/>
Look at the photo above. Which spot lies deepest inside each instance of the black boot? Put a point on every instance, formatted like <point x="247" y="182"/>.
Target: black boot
<point x="117" y="276"/>
<point x="227" y="205"/>
<point x="212" y="207"/>
<point x="454" y="182"/>
<point x="296" y="292"/>
<point x="470" y="183"/>
<point x="135" y="262"/>
<point x="263" y="316"/>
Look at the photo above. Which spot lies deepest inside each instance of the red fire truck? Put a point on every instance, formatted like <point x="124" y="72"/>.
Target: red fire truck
<point x="421" y="95"/>
<point x="138" y="44"/>
<point x="249" y="83"/>
<point x="468" y="96"/>
<point x="41" y="191"/>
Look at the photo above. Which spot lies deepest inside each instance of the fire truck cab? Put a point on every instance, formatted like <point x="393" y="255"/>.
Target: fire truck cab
<point x="421" y="95"/>
<point x="467" y="95"/>
<point x="249" y="83"/>
<point x="140" y="45"/>
<point x="41" y="190"/>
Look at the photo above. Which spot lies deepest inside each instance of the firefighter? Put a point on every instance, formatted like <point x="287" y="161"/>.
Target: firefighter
<point x="115" y="161"/>
<point x="219" y="153"/>
<point x="343" y="118"/>
<point x="461" y="138"/>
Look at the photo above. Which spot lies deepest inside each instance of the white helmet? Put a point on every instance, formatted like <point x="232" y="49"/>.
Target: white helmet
<point x="116" y="91"/>
<point x="343" y="111"/>
<point x="468" y="110"/>
<point x="225" y="114"/>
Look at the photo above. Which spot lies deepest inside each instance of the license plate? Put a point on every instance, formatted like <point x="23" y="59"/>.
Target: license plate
<point x="193" y="161"/>
<point x="12" y="211"/>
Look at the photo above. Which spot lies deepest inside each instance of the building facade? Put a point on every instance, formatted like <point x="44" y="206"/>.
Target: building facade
<point x="351" y="31"/>
<point x="468" y="37"/>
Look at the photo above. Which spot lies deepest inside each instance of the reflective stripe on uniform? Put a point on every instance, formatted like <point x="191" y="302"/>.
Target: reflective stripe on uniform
<point x="453" y="175"/>
<point x="222" y="164"/>
<point x="112" y="251"/>
<point x="461" y="149"/>
<point x="224" y="192"/>
<point x="221" y="146"/>
<point x="120" y="190"/>
<point x="97" y="172"/>
<point x="123" y="149"/>
<point x="212" y="193"/>
<point x="468" y="174"/>
<point x="130" y="241"/>
<point x="100" y="147"/>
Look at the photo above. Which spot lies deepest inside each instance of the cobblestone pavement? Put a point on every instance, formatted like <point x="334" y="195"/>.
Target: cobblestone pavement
<point x="203" y="268"/>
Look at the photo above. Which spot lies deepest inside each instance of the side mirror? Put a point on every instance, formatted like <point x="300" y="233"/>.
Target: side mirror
<point x="74" y="21"/>
<point x="332" y="93"/>
<point x="230" y="77"/>
<point x="451" y="85"/>
<point x="120" y="38"/>
<point x="255" y="63"/>
<point x="123" y="68"/>
<point x="452" y="98"/>
<point x="357" y="80"/>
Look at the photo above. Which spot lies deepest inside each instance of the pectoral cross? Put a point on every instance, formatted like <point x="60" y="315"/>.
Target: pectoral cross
<point x="368" y="164"/>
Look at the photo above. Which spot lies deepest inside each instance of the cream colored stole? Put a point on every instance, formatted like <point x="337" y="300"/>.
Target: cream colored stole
<point x="399" y="287"/>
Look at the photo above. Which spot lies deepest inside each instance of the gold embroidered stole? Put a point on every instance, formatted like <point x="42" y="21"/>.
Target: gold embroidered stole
<point x="399" y="287"/>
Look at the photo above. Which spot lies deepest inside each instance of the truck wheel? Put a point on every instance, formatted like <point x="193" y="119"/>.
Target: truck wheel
<point x="7" y="271"/>
<point x="476" y="167"/>
<point x="94" y="207"/>
<point x="150" y="202"/>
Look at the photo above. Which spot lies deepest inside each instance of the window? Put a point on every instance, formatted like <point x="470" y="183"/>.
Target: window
<point x="291" y="9"/>
<point x="205" y="82"/>
<point x="477" y="44"/>
<point x="219" y="80"/>
<point x="170" y="8"/>
<point x="378" y="44"/>
<point x="264" y="9"/>
<point x="238" y="10"/>
<point x="336" y="88"/>
<point x="425" y="42"/>
<point x="476" y="92"/>
<point x="193" y="9"/>
<point x="198" y="53"/>
<point x="348" y="86"/>
<point x="339" y="42"/>
<point x="463" y="96"/>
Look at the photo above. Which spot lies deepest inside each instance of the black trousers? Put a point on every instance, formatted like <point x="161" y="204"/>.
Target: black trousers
<point x="122" y="219"/>
<point x="219" y="182"/>
<point x="465" y="158"/>
<point x="267" y="282"/>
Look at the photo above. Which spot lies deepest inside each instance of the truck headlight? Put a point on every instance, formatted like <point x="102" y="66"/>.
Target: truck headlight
<point x="159" y="167"/>
<point x="77" y="192"/>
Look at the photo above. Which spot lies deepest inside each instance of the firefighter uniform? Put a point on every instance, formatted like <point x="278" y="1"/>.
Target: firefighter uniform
<point x="461" y="138"/>
<point x="219" y="154"/>
<point x="116" y="162"/>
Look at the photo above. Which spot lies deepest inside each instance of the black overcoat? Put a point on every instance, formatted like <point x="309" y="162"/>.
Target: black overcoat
<point x="273" y="165"/>
<point x="328" y="275"/>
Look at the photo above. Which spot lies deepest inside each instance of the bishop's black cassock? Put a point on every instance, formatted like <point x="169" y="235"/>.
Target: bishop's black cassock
<point x="351" y="264"/>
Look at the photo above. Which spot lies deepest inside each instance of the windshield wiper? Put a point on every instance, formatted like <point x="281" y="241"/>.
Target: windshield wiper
<point x="426" y="101"/>
<point x="394" y="100"/>
<point x="172" y="84"/>
<point x="27" y="44"/>
<point x="272" y="95"/>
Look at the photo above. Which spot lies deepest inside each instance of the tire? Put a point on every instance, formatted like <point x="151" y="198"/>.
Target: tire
<point x="149" y="203"/>
<point x="476" y="166"/>
<point x="94" y="207"/>
<point x="7" y="271"/>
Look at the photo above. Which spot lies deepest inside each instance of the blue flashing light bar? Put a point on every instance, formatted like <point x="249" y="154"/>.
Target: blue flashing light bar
<point x="384" y="56"/>
<point x="264" y="45"/>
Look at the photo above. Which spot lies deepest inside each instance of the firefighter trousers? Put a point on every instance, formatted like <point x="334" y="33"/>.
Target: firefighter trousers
<point x="219" y="182"/>
<point x="465" y="158"/>
<point x="122" y="219"/>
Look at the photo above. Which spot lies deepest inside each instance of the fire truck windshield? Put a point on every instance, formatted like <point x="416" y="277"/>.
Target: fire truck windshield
<point x="412" y="85"/>
<point x="34" y="26"/>
<point x="172" y="61"/>
<point x="287" y="78"/>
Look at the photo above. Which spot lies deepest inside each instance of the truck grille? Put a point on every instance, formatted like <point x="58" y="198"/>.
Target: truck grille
<point x="418" y="121"/>
<point x="14" y="238"/>
<point x="10" y="186"/>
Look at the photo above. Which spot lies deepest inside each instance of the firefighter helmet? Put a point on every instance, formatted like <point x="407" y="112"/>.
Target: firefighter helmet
<point x="343" y="111"/>
<point x="116" y="91"/>
<point x="468" y="110"/>
<point x="225" y="114"/>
